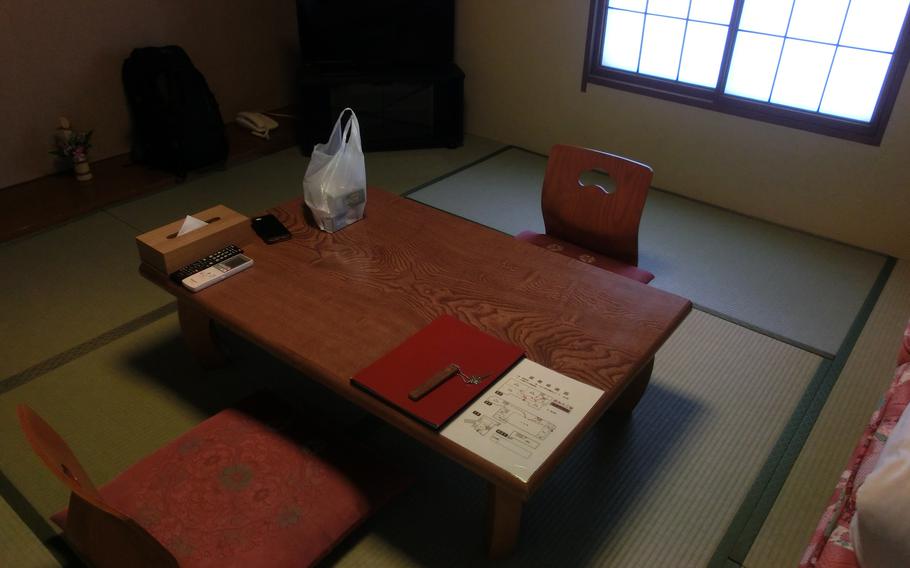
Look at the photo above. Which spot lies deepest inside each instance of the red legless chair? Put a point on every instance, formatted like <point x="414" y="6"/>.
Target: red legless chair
<point x="587" y="222"/>
<point x="252" y="486"/>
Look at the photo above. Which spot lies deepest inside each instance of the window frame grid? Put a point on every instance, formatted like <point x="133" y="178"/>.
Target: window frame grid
<point x="682" y="48"/>
<point x="783" y="44"/>
<point x="715" y="98"/>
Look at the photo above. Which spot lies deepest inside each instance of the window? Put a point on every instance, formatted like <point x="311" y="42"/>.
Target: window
<point x="829" y="66"/>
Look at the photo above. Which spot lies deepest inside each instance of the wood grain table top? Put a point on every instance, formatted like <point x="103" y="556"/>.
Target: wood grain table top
<point x="331" y="304"/>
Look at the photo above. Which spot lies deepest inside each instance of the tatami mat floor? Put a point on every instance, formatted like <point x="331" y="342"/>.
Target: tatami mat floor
<point x="719" y="397"/>
<point x="660" y="491"/>
<point x="867" y="374"/>
<point x="19" y="547"/>
<point x="69" y="285"/>
<point x="743" y="269"/>
<point x="254" y="186"/>
<point x="77" y="281"/>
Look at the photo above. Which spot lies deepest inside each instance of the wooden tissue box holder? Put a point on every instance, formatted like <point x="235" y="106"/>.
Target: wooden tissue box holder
<point x="164" y="250"/>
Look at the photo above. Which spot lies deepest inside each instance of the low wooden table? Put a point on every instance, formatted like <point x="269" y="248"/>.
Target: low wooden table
<point x="330" y="304"/>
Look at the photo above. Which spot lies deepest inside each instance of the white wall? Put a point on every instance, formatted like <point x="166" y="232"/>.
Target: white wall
<point x="524" y="59"/>
<point x="64" y="58"/>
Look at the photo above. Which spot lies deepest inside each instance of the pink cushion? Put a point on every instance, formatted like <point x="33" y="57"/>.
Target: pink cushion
<point x="879" y="531"/>
<point x="252" y="486"/>
<point x="586" y="256"/>
<point x="904" y="355"/>
<point x="831" y="545"/>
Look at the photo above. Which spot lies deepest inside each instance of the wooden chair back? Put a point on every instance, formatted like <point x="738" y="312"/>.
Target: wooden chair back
<point x="591" y="216"/>
<point x="97" y="532"/>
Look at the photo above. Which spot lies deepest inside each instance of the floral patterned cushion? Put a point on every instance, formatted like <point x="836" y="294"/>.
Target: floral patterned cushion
<point x="586" y="256"/>
<point x="831" y="546"/>
<point x="252" y="486"/>
<point x="904" y="355"/>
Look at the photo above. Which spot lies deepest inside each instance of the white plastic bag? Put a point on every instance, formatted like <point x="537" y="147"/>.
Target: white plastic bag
<point x="334" y="186"/>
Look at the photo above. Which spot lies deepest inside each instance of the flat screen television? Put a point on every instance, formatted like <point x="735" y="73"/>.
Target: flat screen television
<point x="365" y="34"/>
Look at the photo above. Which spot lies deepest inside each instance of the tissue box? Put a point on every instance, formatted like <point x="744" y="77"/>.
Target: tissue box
<point x="164" y="250"/>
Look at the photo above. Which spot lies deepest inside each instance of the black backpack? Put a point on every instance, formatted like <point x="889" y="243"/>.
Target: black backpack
<point x="176" y="122"/>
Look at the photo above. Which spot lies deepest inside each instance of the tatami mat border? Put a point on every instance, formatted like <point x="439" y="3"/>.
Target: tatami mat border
<point x="748" y="521"/>
<point x="459" y="170"/>
<point x="751" y="327"/>
<point x="761" y="331"/>
<point x="39" y="526"/>
<point x="701" y="202"/>
<point x="85" y="348"/>
<point x="17" y="502"/>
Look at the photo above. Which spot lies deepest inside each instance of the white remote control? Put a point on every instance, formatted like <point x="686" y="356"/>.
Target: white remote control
<point x="205" y="278"/>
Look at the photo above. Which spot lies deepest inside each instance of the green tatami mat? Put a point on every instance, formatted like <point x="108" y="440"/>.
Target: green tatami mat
<point x="797" y="286"/>
<point x="867" y="373"/>
<point x="19" y="547"/>
<point x="68" y="285"/>
<point x="113" y="406"/>
<point x="400" y="171"/>
<point x="502" y="192"/>
<point x="122" y="401"/>
<point x="659" y="491"/>
<point x="249" y="188"/>
<point x="254" y="186"/>
<point x="803" y="289"/>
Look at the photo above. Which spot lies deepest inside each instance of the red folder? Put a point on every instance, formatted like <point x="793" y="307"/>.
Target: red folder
<point x="443" y="342"/>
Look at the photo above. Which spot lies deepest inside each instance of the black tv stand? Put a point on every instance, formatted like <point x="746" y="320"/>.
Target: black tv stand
<point x="398" y="108"/>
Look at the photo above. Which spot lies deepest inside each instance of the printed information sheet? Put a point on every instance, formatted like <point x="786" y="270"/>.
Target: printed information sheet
<point x="519" y="421"/>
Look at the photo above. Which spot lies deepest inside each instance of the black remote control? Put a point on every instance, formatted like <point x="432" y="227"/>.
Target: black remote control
<point x="203" y="263"/>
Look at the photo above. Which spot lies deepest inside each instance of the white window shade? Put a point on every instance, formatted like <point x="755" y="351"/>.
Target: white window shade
<point x="874" y="24"/>
<point x="855" y="83"/>
<point x="815" y="64"/>
<point x="662" y="46"/>
<point x="702" y="54"/>
<point x="817" y="20"/>
<point x="754" y="63"/>
<point x="801" y="74"/>
<point x="713" y="11"/>
<point x="623" y="39"/>
<point x="676" y="8"/>
<point x="766" y="16"/>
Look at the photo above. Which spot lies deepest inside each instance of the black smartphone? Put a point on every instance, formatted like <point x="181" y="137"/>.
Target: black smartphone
<point x="270" y="229"/>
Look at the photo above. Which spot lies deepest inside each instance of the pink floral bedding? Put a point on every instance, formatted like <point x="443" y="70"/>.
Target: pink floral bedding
<point x="831" y="546"/>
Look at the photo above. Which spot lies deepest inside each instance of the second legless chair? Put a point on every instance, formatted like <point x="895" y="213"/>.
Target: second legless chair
<point x="252" y="486"/>
<point x="587" y="222"/>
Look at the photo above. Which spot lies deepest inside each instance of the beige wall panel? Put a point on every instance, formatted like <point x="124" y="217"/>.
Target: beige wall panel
<point x="64" y="58"/>
<point x="523" y="61"/>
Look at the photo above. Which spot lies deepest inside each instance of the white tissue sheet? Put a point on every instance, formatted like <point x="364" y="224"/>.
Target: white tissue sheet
<point x="190" y="224"/>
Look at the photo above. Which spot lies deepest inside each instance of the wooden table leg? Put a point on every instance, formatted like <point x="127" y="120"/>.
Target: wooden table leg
<point x="504" y="521"/>
<point x="198" y="334"/>
<point x="623" y="406"/>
